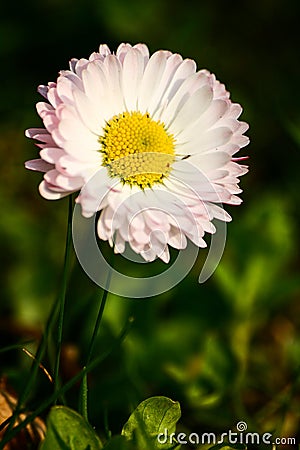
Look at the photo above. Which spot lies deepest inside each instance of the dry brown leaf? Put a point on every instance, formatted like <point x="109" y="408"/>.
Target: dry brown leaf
<point x="31" y="435"/>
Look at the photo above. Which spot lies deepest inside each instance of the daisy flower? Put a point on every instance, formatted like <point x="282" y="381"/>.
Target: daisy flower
<point x="128" y="128"/>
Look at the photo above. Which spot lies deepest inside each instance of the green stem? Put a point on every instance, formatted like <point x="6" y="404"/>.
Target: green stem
<point x="83" y="406"/>
<point x="106" y="427"/>
<point x="44" y="340"/>
<point x="62" y="295"/>
<point x="34" y="367"/>
<point x="61" y="391"/>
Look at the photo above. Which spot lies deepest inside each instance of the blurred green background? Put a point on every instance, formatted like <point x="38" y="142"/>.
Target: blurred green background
<point x="228" y="350"/>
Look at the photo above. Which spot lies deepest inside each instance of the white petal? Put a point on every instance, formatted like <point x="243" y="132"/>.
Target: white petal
<point x="65" y="89"/>
<point x="164" y="255"/>
<point x="210" y="161"/>
<point x="191" y="110"/>
<point x="185" y="69"/>
<point x="119" y="244"/>
<point x="177" y="239"/>
<point x="96" y="88"/>
<point x="87" y="111"/>
<point x="218" y="212"/>
<point x="113" y="70"/>
<point x="133" y="69"/>
<point x="151" y="79"/>
<point x="140" y="236"/>
<point x="210" y="117"/>
<point x="173" y="62"/>
<point x="74" y="131"/>
<point x="187" y="88"/>
<point x="211" y="140"/>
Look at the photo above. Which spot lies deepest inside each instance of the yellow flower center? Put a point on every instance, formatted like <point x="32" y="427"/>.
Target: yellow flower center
<point x="137" y="149"/>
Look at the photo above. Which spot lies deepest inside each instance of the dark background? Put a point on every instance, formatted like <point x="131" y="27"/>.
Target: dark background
<point x="228" y="350"/>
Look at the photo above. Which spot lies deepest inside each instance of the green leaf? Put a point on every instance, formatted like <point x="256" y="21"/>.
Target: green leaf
<point x="117" y="443"/>
<point x="151" y="424"/>
<point x="226" y="446"/>
<point x="68" y="430"/>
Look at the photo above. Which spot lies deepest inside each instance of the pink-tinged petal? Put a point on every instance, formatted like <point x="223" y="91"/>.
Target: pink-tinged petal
<point x="55" y="178"/>
<point x="95" y="56"/>
<point x="33" y="132"/>
<point x="143" y="49"/>
<point x="48" y="193"/>
<point x="80" y="65"/>
<point x="241" y="141"/>
<point x="104" y="50"/>
<point x="122" y="51"/>
<point x="51" y="154"/>
<point x="234" y="200"/>
<point x="38" y="165"/>
<point x="235" y="110"/>
<point x="40" y="134"/>
<point x="71" y="76"/>
<point x="72" y="64"/>
<point x="219" y="88"/>
<point x="43" y="90"/>
<point x="53" y="97"/>
<point x="241" y="158"/>
<point x="44" y="109"/>
<point x="243" y="127"/>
